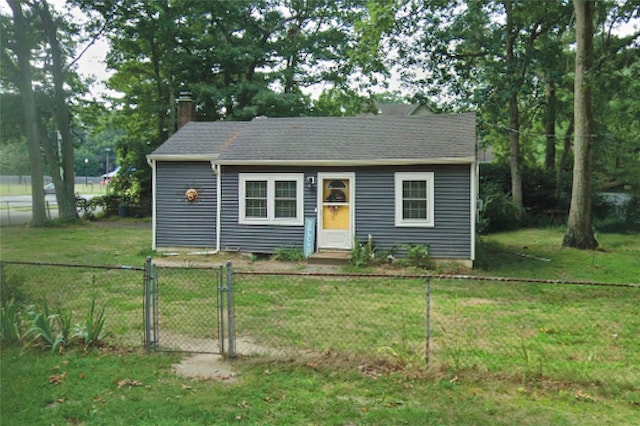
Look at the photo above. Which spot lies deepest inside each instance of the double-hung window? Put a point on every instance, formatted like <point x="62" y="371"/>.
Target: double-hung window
<point x="271" y="199"/>
<point x="414" y="199"/>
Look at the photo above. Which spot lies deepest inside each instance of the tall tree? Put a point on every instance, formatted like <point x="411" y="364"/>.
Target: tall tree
<point x="579" y="229"/>
<point x="34" y="64"/>
<point x="60" y="158"/>
<point x="23" y="76"/>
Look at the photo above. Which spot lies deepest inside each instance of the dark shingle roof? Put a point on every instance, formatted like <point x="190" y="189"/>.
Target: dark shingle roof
<point x="329" y="139"/>
<point x="204" y="138"/>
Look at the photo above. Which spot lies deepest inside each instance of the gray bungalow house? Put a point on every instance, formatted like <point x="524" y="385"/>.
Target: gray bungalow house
<point x="320" y="184"/>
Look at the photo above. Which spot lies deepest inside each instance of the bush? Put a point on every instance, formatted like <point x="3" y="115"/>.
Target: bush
<point x="417" y="255"/>
<point x="107" y="203"/>
<point x="539" y="197"/>
<point x="11" y="288"/>
<point x="632" y="213"/>
<point x="499" y="212"/>
<point x="291" y="254"/>
<point x="363" y="254"/>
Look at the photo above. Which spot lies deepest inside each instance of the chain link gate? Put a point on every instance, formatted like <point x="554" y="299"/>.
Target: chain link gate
<point x="189" y="309"/>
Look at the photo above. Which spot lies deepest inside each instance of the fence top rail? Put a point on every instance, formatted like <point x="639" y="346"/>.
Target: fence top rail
<point x="441" y="277"/>
<point x="72" y="265"/>
<point x="199" y="267"/>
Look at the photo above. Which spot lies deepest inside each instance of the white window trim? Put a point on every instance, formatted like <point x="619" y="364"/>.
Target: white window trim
<point x="271" y="183"/>
<point x="418" y="223"/>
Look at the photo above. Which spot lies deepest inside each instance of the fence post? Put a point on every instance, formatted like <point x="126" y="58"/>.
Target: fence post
<point x="147" y="304"/>
<point x="428" y="322"/>
<point x="230" y="315"/>
<point x="220" y="296"/>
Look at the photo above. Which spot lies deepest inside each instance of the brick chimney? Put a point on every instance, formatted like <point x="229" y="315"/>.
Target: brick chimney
<point x="186" y="109"/>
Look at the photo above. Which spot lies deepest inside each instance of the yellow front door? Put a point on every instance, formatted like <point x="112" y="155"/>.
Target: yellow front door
<point x="335" y="208"/>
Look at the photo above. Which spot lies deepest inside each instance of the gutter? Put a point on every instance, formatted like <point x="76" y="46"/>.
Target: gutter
<point x="324" y="163"/>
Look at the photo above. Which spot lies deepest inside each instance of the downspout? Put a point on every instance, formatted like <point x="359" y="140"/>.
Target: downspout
<point x="475" y="173"/>
<point x="217" y="169"/>
<point x="152" y="164"/>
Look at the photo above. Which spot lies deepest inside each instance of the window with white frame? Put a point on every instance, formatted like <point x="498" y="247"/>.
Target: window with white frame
<point x="275" y="199"/>
<point x="414" y="199"/>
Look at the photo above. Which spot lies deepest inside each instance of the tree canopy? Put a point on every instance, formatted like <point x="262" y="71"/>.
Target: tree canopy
<point x="511" y="61"/>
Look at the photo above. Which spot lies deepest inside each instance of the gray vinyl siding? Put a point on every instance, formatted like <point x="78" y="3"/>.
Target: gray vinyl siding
<point x="180" y="223"/>
<point x="259" y="238"/>
<point x="375" y="211"/>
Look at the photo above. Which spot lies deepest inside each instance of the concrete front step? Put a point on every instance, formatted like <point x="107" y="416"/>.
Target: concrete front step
<point x="330" y="258"/>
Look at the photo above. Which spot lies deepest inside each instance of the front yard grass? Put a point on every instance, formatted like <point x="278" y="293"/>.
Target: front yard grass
<point x="106" y="387"/>
<point x="546" y="378"/>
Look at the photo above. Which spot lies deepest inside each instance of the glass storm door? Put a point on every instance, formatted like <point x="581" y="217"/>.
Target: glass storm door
<point x="336" y="210"/>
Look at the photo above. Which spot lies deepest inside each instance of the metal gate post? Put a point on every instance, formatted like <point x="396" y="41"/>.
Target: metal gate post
<point x="150" y="305"/>
<point x="220" y="299"/>
<point x="147" y="304"/>
<point x="230" y="310"/>
<point x="428" y="324"/>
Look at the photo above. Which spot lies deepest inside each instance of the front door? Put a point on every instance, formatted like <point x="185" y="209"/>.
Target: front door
<point x="336" y="212"/>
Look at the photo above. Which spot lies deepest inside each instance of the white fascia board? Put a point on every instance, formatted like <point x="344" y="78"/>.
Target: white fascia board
<point x="154" y="179"/>
<point x="383" y="162"/>
<point x="182" y="157"/>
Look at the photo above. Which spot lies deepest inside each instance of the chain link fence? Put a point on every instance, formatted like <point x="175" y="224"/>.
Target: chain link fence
<point x="71" y="289"/>
<point x="575" y="332"/>
<point x="565" y="331"/>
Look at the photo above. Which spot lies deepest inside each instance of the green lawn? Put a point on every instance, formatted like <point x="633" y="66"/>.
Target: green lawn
<point x="103" y="388"/>
<point x="17" y="189"/>
<point x="502" y="353"/>
<point x="537" y="253"/>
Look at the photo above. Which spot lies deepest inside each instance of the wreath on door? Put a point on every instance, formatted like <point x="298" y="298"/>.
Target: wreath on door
<point x="336" y="196"/>
<point x="191" y="195"/>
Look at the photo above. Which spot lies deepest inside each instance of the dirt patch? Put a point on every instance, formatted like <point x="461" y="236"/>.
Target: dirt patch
<point x="239" y="261"/>
<point x="206" y="366"/>
<point x="214" y="366"/>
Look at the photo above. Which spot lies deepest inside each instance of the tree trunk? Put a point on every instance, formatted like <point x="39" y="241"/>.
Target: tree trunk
<point x="550" y="127"/>
<point x="579" y="229"/>
<point x="23" y="53"/>
<point x="564" y="158"/>
<point x="65" y="185"/>
<point x="514" y="112"/>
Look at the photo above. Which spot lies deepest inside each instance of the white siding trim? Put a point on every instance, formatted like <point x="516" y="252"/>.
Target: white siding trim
<point x="271" y="179"/>
<point x="154" y="179"/>
<point x="218" y="171"/>
<point x="400" y="177"/>
<point x="474" y="172"/>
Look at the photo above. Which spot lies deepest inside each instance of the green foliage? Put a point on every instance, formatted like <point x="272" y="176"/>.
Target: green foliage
<point x="632" y="213"/>
<point x="292" y="254"/>
<point x="417" y="255"/>
<point x="11" y="323"/>
<point x="340" y="102"/>
<point x="92" y="331"/>
<point x="363" y="254"/>
<point x="43" y="328"/>
<point x="64" y="322"/>
<point x="51" y="330"/>
<point x="108" y="204"/>
<point x="11" y="288"/>
<point x="499" y="212"/>
<point x="406" y="355"/>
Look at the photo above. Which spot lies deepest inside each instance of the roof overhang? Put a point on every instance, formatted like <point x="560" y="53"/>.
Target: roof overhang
<point x="182" y="157"/>
<point x="381" y="162"/>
